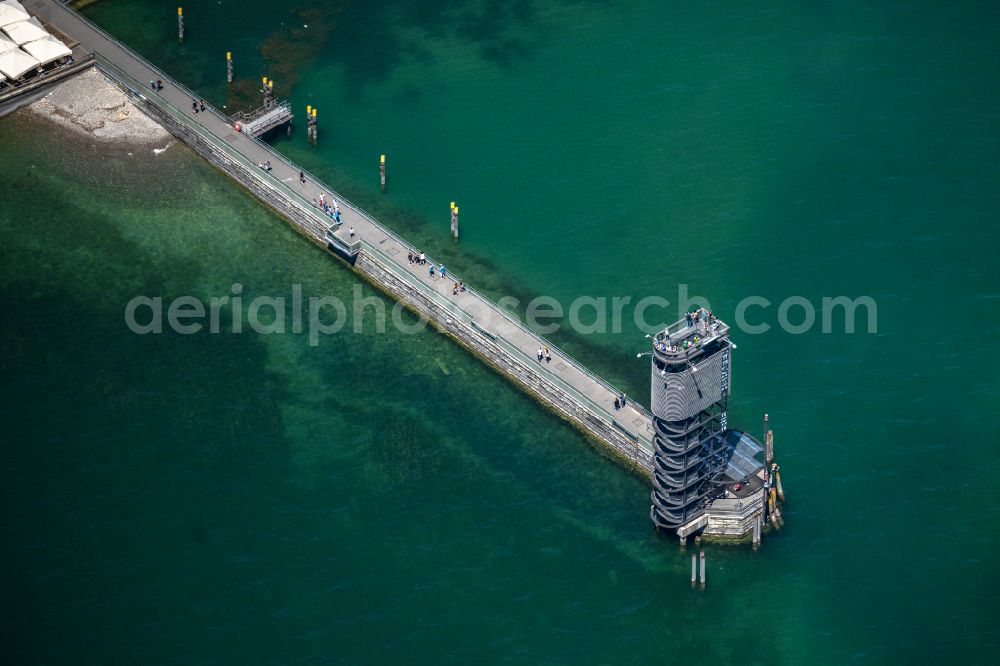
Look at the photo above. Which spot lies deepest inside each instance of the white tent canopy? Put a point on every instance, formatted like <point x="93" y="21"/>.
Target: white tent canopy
<point x="25" y="31"/>
<point x="14" y="64"/>
<point x="46" y="50"/>
<point x="6" y="44"/>
<point x="11" y="11"/>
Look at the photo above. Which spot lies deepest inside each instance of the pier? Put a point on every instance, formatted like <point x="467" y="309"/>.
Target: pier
<point x="468" y="317"/>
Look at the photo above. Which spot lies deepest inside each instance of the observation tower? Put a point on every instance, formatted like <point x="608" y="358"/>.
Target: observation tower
<point x="706" y="477"/>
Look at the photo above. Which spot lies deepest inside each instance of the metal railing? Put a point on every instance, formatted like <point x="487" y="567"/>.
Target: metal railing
<point x="260" y="112"/>
<point x="306" y="205"/>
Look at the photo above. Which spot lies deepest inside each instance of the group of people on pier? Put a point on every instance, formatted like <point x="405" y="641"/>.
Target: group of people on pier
<point x="418" y="258"/>
<point x="332" y="210"/>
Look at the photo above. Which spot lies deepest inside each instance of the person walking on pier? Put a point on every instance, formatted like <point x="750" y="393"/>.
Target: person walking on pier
<point x="430" y="271"/>
<point x="194" y="106"/>
<point x="548" y="356"/>
<point x="443" y="273"/>
<point x="201" y="105"/>
<point x="152" y="85"/>
<point x="540" y="354"/>
<point x="302" y="177"/>
<point x="618" y="404"/>
<point x="351" y="231"/>
<point x="409" y="257"/>
<point x="159" y="85"/>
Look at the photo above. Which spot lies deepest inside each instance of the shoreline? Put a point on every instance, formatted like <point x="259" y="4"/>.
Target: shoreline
<point x="92" y="105"/>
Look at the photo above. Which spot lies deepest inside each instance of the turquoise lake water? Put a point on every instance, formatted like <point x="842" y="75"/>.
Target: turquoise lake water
<point x="247" y="498"/>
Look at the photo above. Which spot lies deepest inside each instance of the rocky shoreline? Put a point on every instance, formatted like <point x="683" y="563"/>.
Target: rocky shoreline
<point x="91" y="104"/>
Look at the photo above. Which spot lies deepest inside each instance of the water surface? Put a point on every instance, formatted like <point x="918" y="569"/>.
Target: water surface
<point x="251" y="498"/>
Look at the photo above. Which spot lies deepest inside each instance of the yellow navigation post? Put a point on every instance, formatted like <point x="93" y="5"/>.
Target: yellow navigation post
<point x="454" y="220"/>
<point x="229" y="66"/>
<point x="267" y="90"/>
<point x="180" y="23"/>
<point x="381" y="171"/>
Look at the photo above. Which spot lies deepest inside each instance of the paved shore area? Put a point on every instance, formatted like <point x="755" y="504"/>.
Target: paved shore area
<point x="91" y="104"/>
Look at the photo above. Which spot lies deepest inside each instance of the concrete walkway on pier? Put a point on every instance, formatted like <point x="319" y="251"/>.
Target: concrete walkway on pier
<point x="486" y="315"/>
